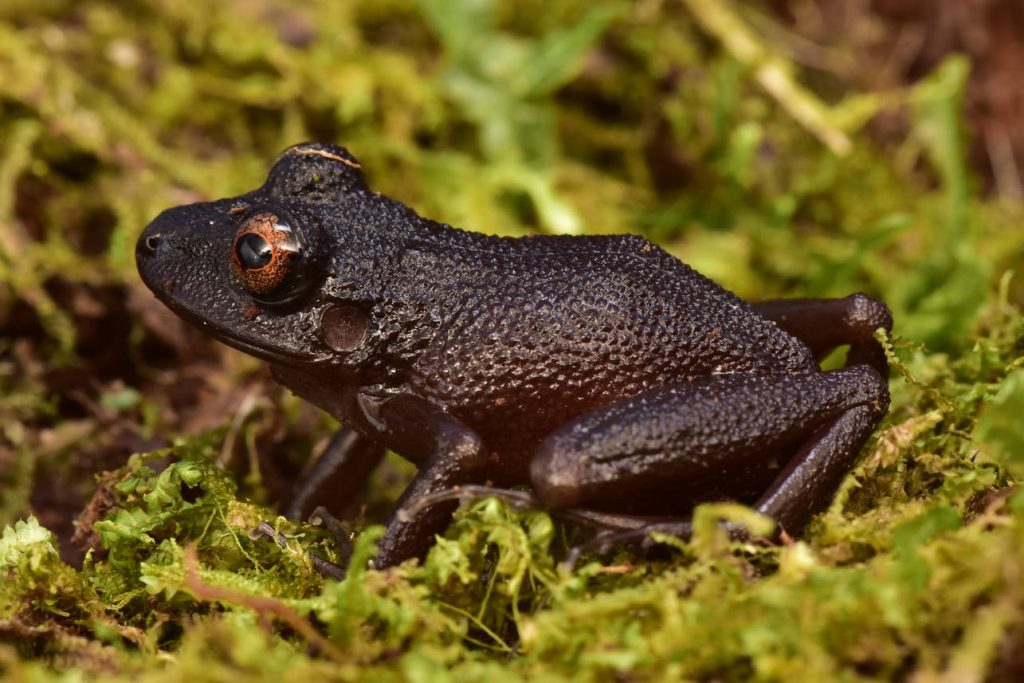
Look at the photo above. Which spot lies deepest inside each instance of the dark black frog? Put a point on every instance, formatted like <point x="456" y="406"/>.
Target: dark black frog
<point x="601" y="371"/>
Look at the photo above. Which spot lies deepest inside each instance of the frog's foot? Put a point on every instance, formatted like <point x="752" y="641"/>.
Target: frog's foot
<point x="465" y="493"/>
<point x="325" y="567"/>
<point x="341" y="533"/>
<point x="524" y="500"/>
<point x="641" y="537"/>
<point x="637" y="534"/>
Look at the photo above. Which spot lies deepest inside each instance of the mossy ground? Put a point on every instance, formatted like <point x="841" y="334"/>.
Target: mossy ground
<point x="555" y="116"/>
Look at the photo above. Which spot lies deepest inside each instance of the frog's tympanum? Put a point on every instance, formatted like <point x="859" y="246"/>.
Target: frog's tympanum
<point x="600" y="371"/>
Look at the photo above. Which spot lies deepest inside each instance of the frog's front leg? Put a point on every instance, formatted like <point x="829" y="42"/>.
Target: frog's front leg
<point x="350" y="457"/>
<point x="448" y="454"/>
<point x="337" y="475"/>
<point x="781" y="441"/>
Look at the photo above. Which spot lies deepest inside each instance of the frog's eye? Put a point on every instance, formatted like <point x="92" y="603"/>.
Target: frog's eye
<point x="267" y="258"/>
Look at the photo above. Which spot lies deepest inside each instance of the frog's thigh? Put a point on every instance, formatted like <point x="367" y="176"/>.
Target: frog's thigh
<point x="709" y="438"/>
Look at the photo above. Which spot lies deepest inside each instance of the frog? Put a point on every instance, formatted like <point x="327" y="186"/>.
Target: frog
<point x="598" y="372"/>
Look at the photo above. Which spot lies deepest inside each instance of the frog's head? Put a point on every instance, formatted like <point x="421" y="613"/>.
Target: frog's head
<point x="256" y="271"/>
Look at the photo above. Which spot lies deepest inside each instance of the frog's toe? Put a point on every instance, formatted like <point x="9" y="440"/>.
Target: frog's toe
<point x="326" y="568"/>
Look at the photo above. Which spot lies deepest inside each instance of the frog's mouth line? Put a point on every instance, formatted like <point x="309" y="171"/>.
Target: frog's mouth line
<point x="257" y="351"/>
<point x="292" y="359"/>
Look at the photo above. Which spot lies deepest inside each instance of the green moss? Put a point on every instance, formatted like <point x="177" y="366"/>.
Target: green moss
<point x="564" y="116"/>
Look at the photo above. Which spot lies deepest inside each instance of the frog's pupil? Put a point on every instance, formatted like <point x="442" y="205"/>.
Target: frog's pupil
<point x="253" y="251"/>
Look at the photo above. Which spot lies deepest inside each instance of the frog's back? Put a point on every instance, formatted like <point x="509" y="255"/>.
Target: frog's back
<point x="534" y="331"/>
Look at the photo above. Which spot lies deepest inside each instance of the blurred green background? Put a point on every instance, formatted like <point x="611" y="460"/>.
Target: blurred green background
<point x="783" y="149"/>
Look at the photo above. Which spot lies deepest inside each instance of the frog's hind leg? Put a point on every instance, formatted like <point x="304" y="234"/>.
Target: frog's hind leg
<point x="824" y="324"/>
<point x="716" y="438"/>
<point x="803" y="487"/>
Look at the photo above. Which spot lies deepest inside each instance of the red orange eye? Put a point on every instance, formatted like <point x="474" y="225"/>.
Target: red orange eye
<point x="267" y="258"/>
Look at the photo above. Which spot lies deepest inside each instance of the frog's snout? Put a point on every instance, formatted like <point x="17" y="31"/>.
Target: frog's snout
<point x="152" y="241"/>
<point x="167" y="243"/>
<point x="158" y="254"/>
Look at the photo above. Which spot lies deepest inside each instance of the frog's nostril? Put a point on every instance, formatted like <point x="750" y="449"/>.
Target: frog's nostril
<point x="151" y="243"/>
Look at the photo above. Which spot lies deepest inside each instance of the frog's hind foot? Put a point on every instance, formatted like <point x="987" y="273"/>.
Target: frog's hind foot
<point x="524" y="500"/>
<point x="641" y="538"/>
<point x="641" y="535"/>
